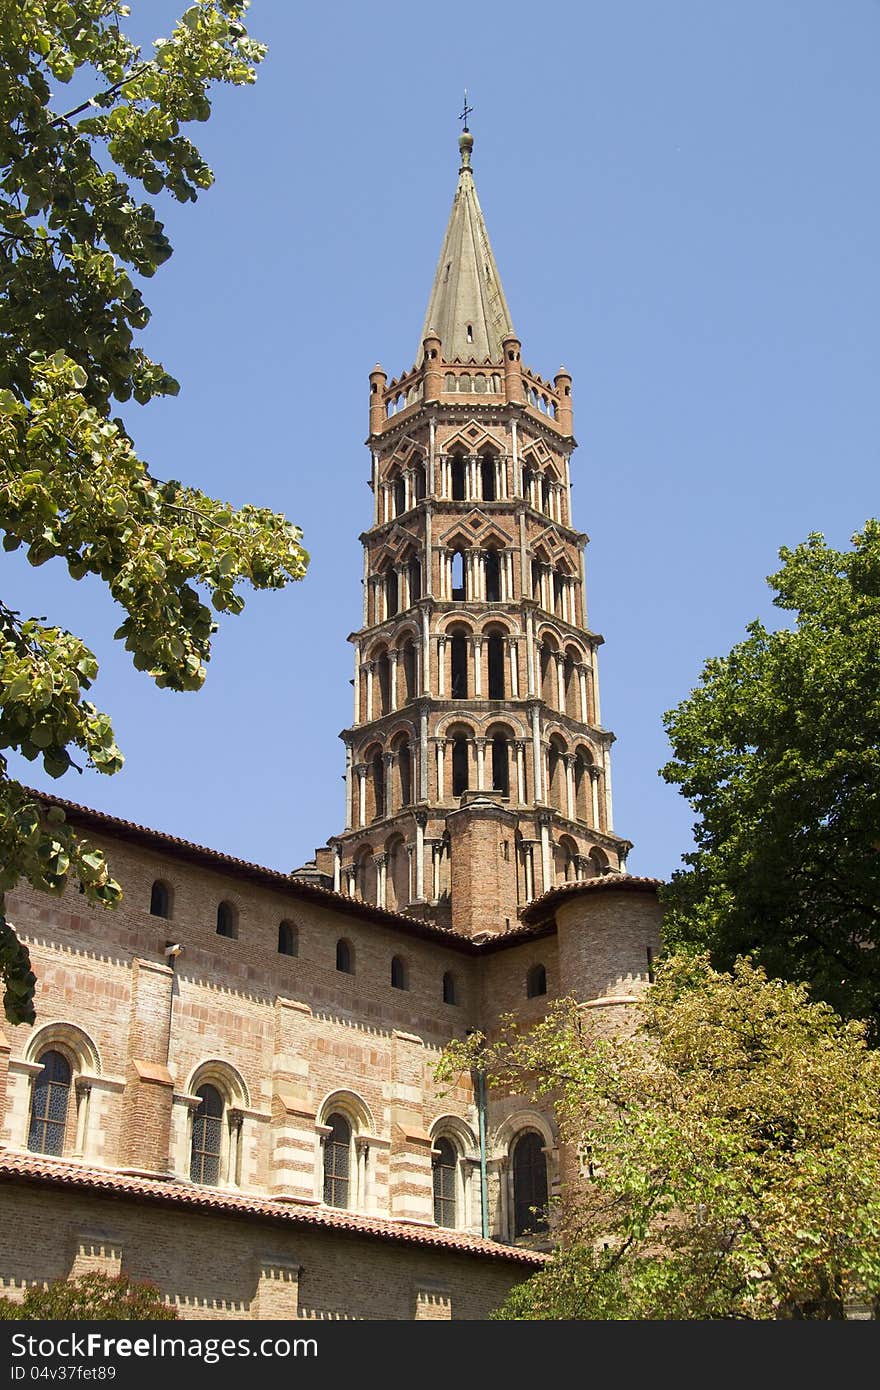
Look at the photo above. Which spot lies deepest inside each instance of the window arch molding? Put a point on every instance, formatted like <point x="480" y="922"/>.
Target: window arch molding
<point x="213" y="1075"/>
<point x="356" y="1113"/>
<point x="80" y="1054"/>
<point x="66" y="1038"/>
<point x="460" y="1209"/>
<point x="518" y="1124"/>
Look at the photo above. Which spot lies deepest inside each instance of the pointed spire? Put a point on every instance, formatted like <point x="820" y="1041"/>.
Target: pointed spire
<point x="467" y="308"/>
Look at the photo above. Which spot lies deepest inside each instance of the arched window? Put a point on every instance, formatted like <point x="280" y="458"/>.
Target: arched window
<point x="529" y="1184"/>
<point x="457" y="471"/>
<point x="500" y="765"/>
<point x="160" y="900"/>
<point x="207" y="1137"/>
<point x="443" y="1164"/>
<point x="337" y="1162"/>
<point x="398" y="973"/>
<point x="288" y="939"/>
<point x="536" y="982"/>
<point x="399" y="486"/>
<point x="495" y="663"/>
<point x="409" y="669"/>
<point x="419" y="481"/>
<point x="460" y="769"/>
<point x="49" y="1102"/>
<point x="557" y="592"/>
<point x="392" y="600"/>
<point x="344" y="957"/>
<point x="383" y="671"/>
<point x="536" y="580"/>
<point x="404" y="769"/>
<point x="493" y="577"/>
<point x="557" y="796"/>
<point x="227" y="920"/>
<point x="545" y="494"/>
<point x="450" y="991"/>
<point x="414" y="575"/>
<point x="377" y="772"/>
<point x="459" y="667"/>
<point x="487" y="475"/>
<point x="457" y="577"/>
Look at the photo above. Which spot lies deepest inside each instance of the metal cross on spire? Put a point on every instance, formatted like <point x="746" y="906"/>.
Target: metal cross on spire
<point x="466" y="111"/>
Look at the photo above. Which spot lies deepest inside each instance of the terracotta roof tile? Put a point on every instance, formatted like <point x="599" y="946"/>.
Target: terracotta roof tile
<point x="541" y="909"/>
<point x="37" y="1168"/>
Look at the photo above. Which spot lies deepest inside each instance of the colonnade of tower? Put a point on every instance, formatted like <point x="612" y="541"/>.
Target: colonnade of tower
<point x="477" y="767"/>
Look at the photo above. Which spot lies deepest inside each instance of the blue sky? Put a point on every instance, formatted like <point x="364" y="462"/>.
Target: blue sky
<point x="683" y="203"/>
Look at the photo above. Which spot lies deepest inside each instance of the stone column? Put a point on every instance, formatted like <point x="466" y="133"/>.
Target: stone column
<point x="559" y="658"/>
<point x="349" y="788"/>
<point x="609" y="819"/>
<point x="432" y="446"/>
<point x="392" y="676"/>
<point x="423" y="754"/>
<point x="537" y="776"/>
<point x="337" y="868"/>
<point x="546" y="861"/>
<point x="597" y="716"/>
<point x="425" y="664"/>
<point x="530" y="653"/>
<point x="594" y="794"/>
<point x="520" y="747"/>
<point x="371" y="671"/>
<point x="569" y="783"/>
<point x="381" y="861"/>
<point x="441" y="665"/>
<point x="477" y="657"/>
<point x="440" y="744"/>
<point x="514" y="667"/>
<point x="421" y="822"/>
<point x="361" y="770"/>
<point x="388" y="763"/>
<point x="582" y="683"/>
<point x="480" y="744"/>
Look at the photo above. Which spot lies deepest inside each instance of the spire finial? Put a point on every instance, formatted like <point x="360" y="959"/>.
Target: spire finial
<point x="465" y="140"/>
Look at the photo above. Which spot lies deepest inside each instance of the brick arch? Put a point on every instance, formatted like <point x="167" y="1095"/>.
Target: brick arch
<point x="396" y="873"/>
<point x="68" y="1038"/>
<point x="215" y="1071"/>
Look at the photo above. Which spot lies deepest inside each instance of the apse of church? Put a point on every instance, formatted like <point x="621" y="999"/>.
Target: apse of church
<point x="477" y="768"/>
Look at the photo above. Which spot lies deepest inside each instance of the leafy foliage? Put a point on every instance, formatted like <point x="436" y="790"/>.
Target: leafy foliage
<point x="91" y="1297"/>
<point x="778" y="751"/>
<point x="728" y="1152"/>
<point x="74" y="231"/>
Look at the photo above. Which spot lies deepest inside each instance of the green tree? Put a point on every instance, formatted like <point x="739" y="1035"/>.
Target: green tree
<point x="91" y="1297"/>
<point x="76" y="233"/>
<point x="729" y="1152"/>
<point x="778" y="752"/>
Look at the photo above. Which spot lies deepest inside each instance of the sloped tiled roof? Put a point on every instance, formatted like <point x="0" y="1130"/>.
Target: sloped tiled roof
<point x="39" y="1169"/>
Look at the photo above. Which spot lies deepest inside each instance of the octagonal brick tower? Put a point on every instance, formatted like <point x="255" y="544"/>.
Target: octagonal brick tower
<point x="477" y="767"/>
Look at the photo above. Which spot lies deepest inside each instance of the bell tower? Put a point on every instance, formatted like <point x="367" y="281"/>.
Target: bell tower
<point x="477" y="766"/>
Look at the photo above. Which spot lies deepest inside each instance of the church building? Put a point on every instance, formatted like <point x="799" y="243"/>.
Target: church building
<point x="229" y="1089"/>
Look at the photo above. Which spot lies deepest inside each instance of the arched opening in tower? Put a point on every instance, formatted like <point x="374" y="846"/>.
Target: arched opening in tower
<point x="500" y="766"/>
<point x="459" y="765"/>
<point x="459" y="667"/>
<point x="496" y="667"/>
<point x="457" y="471"/>
<point x="493" y="577"/>
<point x="487" y="473"/>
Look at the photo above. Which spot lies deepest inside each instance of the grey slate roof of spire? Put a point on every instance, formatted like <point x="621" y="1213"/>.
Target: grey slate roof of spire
<point x="467" y="307"/>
